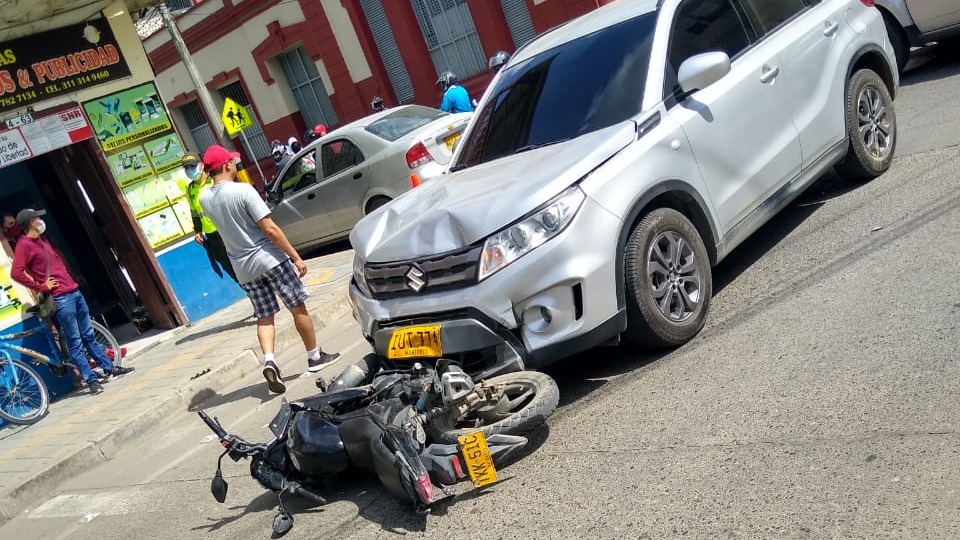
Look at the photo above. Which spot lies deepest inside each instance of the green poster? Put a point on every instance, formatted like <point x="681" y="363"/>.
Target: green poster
<point x="144" y="153"/>
<point x="130" y="166"/>
<point x="128" y="116"/>
<point x="166" y="152"/>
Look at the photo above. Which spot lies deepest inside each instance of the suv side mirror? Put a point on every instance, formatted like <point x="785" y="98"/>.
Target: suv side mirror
<point x="274" y="197"/>
<point x="702" y="70"/>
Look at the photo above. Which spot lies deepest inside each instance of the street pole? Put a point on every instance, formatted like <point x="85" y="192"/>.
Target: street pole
<point x="203" y="95"/>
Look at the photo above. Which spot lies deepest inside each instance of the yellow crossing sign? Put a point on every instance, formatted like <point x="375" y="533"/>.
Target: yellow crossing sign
<point x="235" y="117"/>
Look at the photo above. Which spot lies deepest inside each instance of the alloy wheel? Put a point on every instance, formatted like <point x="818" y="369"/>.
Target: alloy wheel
<point x="674" y="276"/>
<point x="874" y="123"/>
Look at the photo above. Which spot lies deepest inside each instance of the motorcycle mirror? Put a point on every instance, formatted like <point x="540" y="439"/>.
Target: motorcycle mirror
<point x="282" y="523"/>
<point x="219" y="487"/>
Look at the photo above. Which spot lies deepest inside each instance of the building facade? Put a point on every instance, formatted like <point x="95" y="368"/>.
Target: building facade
<point x="297" y="63"/>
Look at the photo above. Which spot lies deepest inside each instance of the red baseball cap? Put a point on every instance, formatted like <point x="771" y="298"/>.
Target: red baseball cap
<point x="319" y="129"/>
<point x="216" y="156"/>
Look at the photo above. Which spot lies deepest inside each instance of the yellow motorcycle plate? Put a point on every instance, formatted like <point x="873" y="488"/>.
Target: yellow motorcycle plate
<point x="415" y="342"/>
<point x="479" y="461"/>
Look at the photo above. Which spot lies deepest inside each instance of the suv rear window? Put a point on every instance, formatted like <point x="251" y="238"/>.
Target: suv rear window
<point x="400" y="123"/>
<point x="584" y="85"/>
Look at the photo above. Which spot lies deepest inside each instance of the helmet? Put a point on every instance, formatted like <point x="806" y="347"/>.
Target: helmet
<point x="377" y="103"/>
<point x="498" y="59"/>
<point x="293" y="144"/>
<point x="319" y="130"/>
<point x="447" y="79"/>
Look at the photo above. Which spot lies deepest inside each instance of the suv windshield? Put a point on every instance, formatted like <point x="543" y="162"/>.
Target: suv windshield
<point x="397" y="124"/>
<point x="581" y="86"/>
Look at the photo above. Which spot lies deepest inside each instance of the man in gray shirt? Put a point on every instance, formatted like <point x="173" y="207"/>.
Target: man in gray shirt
<point x="266" y="264"/>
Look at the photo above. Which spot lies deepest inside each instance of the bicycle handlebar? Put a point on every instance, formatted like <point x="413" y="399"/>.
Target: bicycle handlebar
<point x="23" y="334"/>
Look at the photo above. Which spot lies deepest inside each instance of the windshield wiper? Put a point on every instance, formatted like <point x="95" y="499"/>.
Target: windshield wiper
<point x="541" y="145"/>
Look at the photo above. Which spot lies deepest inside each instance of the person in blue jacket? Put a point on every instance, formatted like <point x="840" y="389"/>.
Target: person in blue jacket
<point x="455" y="97"/>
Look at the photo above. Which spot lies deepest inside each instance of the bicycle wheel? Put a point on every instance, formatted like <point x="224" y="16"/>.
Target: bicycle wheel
<point x="109" y="343"/>
<point x="23" y="395"/>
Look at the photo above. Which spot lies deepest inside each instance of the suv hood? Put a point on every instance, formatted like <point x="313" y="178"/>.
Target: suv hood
<point x="458" y="209"/>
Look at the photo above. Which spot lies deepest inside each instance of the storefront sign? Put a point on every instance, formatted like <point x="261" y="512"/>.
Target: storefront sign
<point x="144" y="154"/>
<point x="44" y="134"/>
<point x="57" y="62"/>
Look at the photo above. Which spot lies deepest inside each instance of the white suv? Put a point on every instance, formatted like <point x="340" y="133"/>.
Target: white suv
<point x="610" y="164"/>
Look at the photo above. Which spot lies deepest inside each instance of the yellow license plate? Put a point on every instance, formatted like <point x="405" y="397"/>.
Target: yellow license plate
<point x="451" y="140"/>
<point x="478" y="458"/>
<point x="415" y="342"/>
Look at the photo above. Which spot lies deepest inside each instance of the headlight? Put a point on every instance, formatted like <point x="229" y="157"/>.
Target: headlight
<point x="358" y="276"/>
<point x="521" y="238"/>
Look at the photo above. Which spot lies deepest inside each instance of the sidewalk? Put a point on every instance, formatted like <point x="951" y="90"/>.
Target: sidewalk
<point x="178" y="369"/>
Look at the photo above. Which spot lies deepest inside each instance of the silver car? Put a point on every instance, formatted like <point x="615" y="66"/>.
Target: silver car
<point x="610" y="165"/>
<point x="321" y="192"/>
<point x="918" y="22"/>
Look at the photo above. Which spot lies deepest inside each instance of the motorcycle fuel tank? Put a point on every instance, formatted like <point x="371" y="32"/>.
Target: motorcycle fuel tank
<point x="315" y="446"/>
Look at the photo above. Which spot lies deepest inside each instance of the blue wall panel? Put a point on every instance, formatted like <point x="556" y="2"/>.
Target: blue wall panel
<point x="200" y="291"/>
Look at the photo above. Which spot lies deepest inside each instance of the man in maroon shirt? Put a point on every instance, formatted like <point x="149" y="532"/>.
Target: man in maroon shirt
<point x="37" y="266"/>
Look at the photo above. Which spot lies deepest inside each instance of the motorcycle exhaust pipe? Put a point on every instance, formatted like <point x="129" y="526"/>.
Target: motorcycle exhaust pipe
<point x="357" y="374"/>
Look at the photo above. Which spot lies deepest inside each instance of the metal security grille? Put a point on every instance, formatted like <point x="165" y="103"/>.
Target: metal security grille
<point x="255" y="135"/>
<point x="387" y="47"/>
<point x="197" y="124"/>
<point x="451" y="36"/>
<point x="518" y="21"/>
<point x="307" y="87"/>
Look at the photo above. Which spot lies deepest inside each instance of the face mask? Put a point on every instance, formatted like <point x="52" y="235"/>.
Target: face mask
<point x="194" y="173"/>
<point x="42" y="227"/>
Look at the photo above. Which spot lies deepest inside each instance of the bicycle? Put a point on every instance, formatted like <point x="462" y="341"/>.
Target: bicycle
<point x="24" y="398"/>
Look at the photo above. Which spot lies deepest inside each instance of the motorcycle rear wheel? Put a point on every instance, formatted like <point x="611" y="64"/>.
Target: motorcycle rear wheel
<point x="530" y="397"/>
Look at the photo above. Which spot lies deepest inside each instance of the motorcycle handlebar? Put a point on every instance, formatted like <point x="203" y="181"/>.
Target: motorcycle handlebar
<point x="307" y="494"/>
<point x="213" y="425"/>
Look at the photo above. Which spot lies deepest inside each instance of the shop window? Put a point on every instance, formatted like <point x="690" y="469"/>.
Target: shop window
<point x="199" y="127"/>
<point x="307" y="87"/>
<point x="387" y="47"/>
<point x="255" y="136"/>
<point x="451" y="36"/>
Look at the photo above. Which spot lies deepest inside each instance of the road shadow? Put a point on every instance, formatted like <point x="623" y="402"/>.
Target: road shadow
<point x="247" y="321"/>
<point x="933" y="63"/>
<point x="209" y="399"/>
<point x="326" y="249"/>
<point x="604" y="364"/>
<point x="778" y="228"/>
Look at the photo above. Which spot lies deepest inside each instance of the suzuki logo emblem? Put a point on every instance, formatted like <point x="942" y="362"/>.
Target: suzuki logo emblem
<point x="416" y="278"/>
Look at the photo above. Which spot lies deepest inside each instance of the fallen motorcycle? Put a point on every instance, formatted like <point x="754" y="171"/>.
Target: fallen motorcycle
<point x="417" y="429"/>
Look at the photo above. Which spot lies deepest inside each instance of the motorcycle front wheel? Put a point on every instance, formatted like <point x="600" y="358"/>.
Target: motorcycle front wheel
<point x="529" y="398"/>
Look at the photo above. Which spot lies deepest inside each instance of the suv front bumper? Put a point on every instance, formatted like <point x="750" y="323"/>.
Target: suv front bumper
<point x="557" y="300"/>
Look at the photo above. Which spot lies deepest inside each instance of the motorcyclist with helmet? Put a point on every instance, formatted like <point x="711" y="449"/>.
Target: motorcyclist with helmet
<point x="455" y="97"/>
<point x="497" y="61"/>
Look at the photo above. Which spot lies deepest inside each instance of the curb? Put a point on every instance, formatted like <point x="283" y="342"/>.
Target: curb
<point x="105" y="446"/>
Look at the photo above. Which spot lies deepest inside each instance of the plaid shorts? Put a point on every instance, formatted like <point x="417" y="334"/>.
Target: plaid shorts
<point x="282" y="281"/>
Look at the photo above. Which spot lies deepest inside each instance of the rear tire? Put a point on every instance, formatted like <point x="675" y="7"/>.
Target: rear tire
<point x="668" y="281"/>
<point x="533" y="396"/>
<point x="14" y="405"/>
<point x="376" y="202"/>
<point x="871" y="127"/>
<point x="106" y="340"/>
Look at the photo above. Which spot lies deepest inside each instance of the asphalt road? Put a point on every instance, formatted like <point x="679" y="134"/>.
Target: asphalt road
<point x="818" y="402"/>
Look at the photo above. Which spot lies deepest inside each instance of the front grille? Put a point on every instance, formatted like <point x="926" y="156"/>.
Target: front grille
<point x="453" y="270"/>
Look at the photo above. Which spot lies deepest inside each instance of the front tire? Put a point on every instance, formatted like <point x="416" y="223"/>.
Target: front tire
<point x="871" y="127"/>
<point x="668" y="281"/>
<point x="530" y="398"/>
